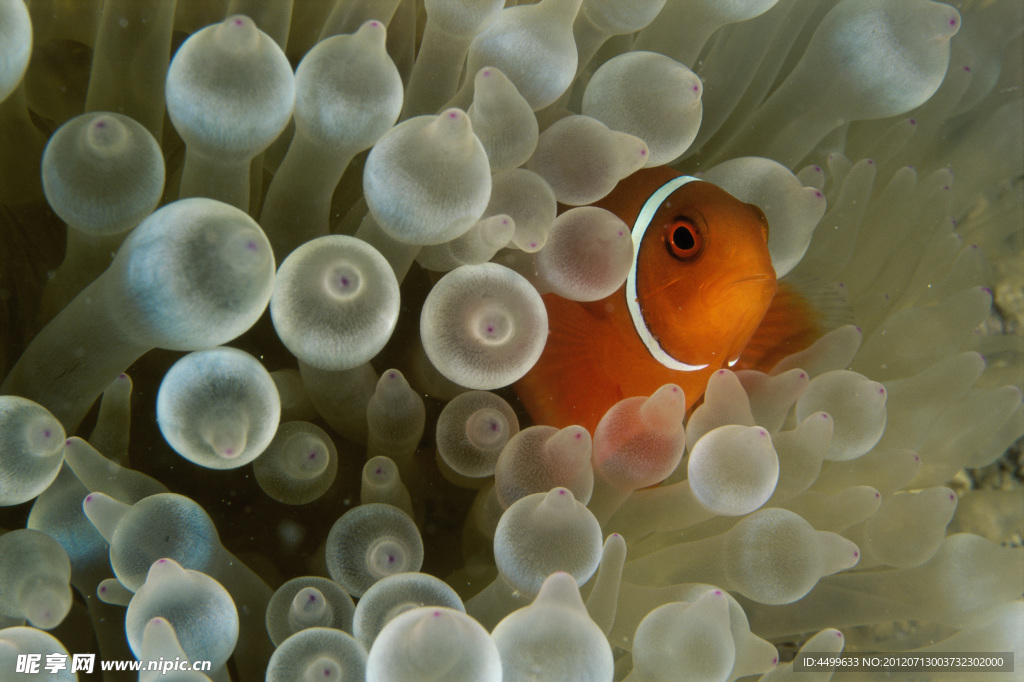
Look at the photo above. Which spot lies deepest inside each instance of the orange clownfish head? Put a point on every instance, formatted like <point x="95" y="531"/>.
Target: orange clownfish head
<point x="702" y="278"/>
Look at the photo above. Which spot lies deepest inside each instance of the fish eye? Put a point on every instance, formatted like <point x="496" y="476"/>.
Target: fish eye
<point x="683" y="239"/>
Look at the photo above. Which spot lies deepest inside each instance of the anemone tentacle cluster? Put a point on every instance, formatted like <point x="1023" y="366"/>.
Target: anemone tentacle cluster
<point x="317" y="234"/>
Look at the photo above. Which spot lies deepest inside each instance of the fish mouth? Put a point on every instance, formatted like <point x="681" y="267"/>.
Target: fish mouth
<point x="727" y="286"/>
<point x="750" y="279"/>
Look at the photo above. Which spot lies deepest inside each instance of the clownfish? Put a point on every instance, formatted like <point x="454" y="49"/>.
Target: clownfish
<point x="701" y="295"/>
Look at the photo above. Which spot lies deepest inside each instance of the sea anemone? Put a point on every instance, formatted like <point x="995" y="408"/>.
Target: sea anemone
<point x="317" y="235"/>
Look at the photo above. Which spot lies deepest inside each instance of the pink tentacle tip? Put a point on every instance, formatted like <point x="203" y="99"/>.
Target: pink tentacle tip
<point x="487" y="72"/>
<point x="856" y="554"/>
<point x="239" y="22"/>
<point x="718" y="593"/>
<point x="375" y="24"/>
<point x="437" y="614"/>
<point x="88" y="498"/>
<point x="775" y="660"/>
<point x="453" y="114"/>
<point x="952" y="497"/>
<point x="877" y="494"/>
<point x="103" y="588"/>
<point x="839" y="634"/>
<point x="819" y="195"/>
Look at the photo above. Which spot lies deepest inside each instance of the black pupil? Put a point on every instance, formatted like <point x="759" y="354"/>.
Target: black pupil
<point x="682" y="238"/>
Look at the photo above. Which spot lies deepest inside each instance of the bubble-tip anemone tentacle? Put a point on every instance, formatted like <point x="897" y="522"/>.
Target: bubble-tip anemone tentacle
<point x="218" y="408"/>
<point x="483" y="326"/>
<point x="195" y="274"/>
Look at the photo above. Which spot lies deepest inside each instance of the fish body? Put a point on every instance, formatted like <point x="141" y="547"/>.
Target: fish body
<point x="701" y="284"/>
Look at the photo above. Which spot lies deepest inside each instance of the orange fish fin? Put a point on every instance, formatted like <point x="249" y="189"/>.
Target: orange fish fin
<point x="800" y="313"/>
